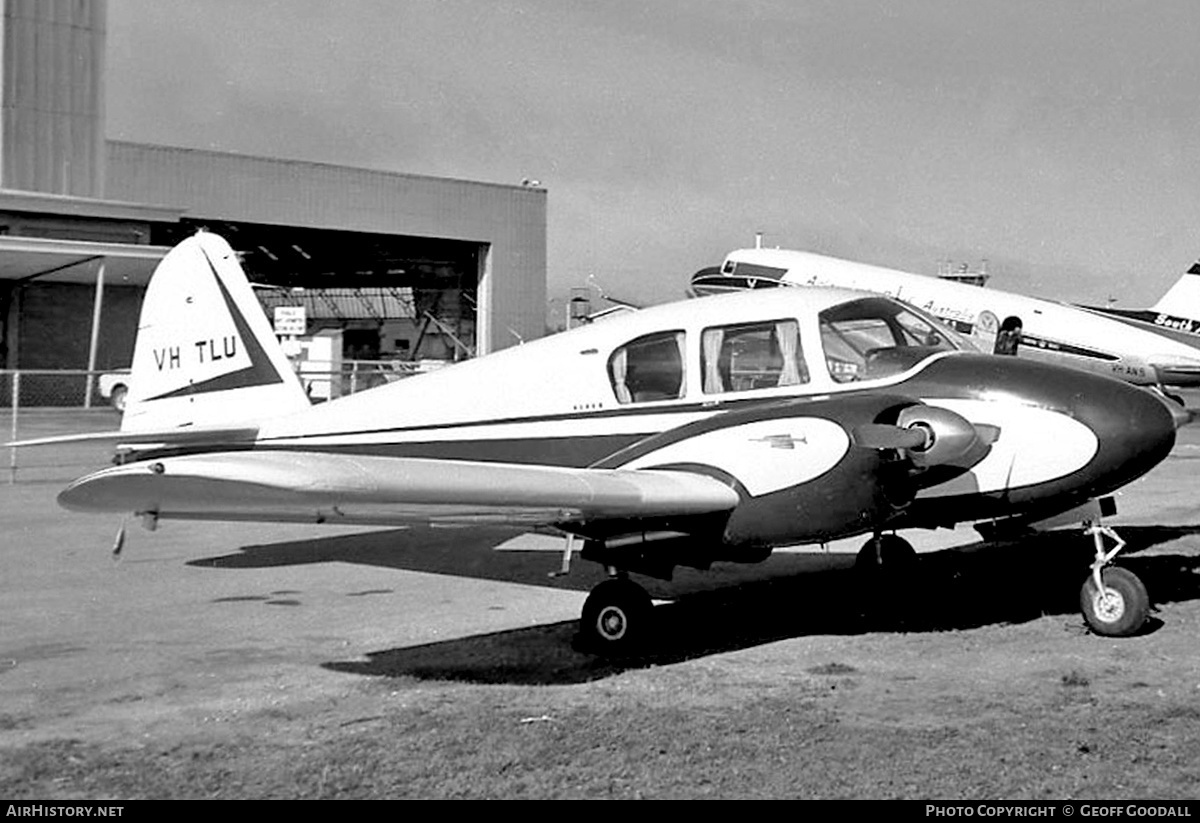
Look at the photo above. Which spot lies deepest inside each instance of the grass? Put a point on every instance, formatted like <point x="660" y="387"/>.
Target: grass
<point x="445" y="740"/>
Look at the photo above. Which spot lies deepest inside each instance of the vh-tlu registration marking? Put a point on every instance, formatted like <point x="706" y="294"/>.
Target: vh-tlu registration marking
<point x="207" y="351"/>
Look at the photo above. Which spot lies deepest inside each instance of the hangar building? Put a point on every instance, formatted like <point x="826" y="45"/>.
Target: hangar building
<point x="84" y="220"/>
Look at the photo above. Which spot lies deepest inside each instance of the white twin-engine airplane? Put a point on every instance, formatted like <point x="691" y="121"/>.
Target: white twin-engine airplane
<point x="1157" y="347"/>
<point x="686" y="434"/>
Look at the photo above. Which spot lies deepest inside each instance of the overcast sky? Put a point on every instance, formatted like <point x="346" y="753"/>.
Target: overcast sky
<point x="1060" y="139"/>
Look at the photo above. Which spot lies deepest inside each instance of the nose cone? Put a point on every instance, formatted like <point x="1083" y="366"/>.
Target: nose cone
<point x="1134" y="428"/>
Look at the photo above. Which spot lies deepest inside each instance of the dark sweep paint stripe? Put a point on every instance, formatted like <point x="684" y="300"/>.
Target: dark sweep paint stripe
<point x="260" y="372"/>
<point x="688" y="408"/>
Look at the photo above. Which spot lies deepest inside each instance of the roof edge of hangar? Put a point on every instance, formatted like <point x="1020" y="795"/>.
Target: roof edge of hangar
<point x="526" y="185"/>
<point x="65" y="204"/>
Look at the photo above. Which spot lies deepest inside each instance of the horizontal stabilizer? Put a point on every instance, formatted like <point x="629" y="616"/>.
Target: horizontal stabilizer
<point x="282" y="486"/>
<point x="168" y="437"/>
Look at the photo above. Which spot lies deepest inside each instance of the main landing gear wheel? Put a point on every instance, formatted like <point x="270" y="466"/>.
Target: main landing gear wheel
<point x="885" y="571"/>
<point x="885" y="554"/>
<point x="1120" y="608"/>
<point x="616" y="617"/>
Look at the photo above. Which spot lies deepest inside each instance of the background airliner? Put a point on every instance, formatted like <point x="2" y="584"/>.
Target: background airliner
<point x="1159" y="347"/>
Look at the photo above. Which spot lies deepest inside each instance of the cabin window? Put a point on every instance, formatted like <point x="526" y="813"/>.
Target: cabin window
<point x="752" y="356"/>
<point x="648" y="368"/>
<point x="875" y="337"/>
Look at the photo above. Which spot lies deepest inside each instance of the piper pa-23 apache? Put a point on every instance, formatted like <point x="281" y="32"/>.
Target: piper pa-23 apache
<point x="1159" y="347"/>
<point x="682" y="435"/>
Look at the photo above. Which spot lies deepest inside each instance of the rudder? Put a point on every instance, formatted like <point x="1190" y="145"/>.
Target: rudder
<point x="1183" y="298"/>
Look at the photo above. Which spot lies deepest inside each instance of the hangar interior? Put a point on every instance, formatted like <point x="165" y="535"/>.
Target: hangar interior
<point x="392" y="296"/>
<point x="401" y="266"/>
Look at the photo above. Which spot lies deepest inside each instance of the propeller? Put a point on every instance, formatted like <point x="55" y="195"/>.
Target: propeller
<point x="930" y="436"/>
<point x="887" y="436"/>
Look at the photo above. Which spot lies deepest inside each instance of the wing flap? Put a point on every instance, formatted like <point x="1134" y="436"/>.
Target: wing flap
<point x="313" y="487"/>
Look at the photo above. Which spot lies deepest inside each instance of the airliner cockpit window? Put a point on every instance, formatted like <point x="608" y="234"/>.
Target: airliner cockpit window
<point x="648" y="368"/>
<point x="875" y="337"/>
<point x="752" y="356"/>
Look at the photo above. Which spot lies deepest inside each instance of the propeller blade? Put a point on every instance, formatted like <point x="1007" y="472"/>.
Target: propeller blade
<point x="884" y="436"/>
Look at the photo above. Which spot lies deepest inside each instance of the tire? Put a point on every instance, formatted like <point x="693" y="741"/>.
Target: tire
<point x="886" y="581"/>
<point x="887" y="554"/>
<point x="1123" y="611"/>
<point x="117" y="398"/>
<point x="615" y="618"/>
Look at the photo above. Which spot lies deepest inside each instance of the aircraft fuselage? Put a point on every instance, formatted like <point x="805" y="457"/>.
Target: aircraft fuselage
<point x="1064" y="436"/>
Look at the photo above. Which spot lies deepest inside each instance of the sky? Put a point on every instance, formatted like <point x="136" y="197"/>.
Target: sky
<point x="1058" y="139"/>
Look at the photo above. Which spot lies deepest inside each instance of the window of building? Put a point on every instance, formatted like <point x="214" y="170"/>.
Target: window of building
<point x="752" y="356"/>
<point x="648" y="368"/>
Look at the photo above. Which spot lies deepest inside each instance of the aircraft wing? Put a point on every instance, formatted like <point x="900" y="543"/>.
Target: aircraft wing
<point x="285" y="486"/>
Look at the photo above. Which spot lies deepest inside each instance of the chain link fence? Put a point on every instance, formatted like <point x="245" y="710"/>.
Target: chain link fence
<point x="50" y="389"/>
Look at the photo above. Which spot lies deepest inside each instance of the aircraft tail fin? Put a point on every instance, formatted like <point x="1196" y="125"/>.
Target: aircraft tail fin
<point x="205" y="355"/>
<point x="1183" y="299"/>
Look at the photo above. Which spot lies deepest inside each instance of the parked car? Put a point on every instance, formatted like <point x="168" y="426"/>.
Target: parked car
<point x="114" y="387"/>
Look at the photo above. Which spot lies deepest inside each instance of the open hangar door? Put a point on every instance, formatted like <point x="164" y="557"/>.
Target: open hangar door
<point x="392" y="297"/>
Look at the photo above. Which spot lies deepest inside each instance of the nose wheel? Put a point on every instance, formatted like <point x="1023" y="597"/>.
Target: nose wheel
<point x="616" y="617"/>
<point x="1116" y="608"/>
<point x="1113" y="600"/>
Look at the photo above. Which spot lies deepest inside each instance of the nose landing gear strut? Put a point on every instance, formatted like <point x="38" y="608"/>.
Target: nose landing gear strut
<point x="1114" y="600"/>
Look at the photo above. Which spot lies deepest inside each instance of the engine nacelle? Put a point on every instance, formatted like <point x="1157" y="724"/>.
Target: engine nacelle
<point x="949" y="438"/>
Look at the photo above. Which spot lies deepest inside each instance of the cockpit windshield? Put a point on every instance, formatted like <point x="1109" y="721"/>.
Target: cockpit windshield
<point x="875" y="337"/>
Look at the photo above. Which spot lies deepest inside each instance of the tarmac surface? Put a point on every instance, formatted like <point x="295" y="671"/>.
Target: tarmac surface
<point x="194" y="623"/>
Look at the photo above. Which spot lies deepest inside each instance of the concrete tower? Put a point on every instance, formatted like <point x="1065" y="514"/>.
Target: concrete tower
<point x="52" y="96"/>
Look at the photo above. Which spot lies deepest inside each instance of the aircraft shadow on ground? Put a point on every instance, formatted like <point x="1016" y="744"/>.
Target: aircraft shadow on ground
<point x="957" y="589"/>
<point x="469" y="552"/>
<point x="459" y="552"/>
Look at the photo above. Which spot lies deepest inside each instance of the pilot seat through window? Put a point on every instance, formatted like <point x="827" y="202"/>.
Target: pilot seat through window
<point x="874" y="337"/>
